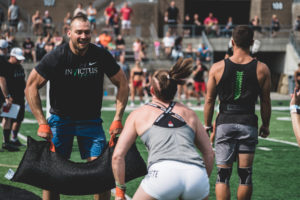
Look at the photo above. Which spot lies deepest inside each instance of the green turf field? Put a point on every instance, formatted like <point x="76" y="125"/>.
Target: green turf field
<point x="275" y="173"/>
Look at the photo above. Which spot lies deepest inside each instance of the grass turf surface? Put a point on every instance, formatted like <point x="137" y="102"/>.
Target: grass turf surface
<point x="275" y="172"/>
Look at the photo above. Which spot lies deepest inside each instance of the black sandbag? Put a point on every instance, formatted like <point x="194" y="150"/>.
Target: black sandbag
<point x="50" y="171"/>
<point x="8" y="192"/>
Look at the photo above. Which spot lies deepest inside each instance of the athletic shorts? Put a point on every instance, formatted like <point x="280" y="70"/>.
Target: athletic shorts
<point x="90" y="136"/>
<point x="92" y="19"/>
<point x="199" y="86"/>
<point x="169" y="180"/>
<point x="137" y="83"/>
<point x="232" y="139"/>
<point x="126" y="24"/>
<point x="13" y="22"/>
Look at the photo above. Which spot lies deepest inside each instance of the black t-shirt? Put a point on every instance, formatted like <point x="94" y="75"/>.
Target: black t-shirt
<point x="199" y="77"/>
<point x="120" y="42"/>
<point x="172" y="13"/>
<point x="76" y="82"/>
<point x="15" y="80"/>
<point x="28" y="45"/>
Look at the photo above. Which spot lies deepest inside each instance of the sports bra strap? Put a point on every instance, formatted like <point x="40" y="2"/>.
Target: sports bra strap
<point x="167" y="111"/>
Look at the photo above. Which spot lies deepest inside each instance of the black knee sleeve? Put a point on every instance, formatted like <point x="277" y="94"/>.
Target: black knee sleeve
<point x="245" y="175"/>
<point x="224" y="175"/>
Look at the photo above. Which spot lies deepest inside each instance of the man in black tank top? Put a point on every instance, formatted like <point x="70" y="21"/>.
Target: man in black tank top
<point x="238" y="81"/>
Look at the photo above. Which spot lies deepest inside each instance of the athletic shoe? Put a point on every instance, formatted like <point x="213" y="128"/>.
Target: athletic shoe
<point x="131" y="104"/>
<point x="10" y="147"/>
<point x="16" y="143"/>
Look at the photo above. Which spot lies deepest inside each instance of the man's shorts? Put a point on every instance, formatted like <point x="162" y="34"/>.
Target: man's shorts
<point x="199" y="86"/>
<point x="126" y="24"/>
<point x="169" y="180"/>
<point x="232" y="139"/>
<point x="90" y="136"/>
<point x="13" y="22"/>
<point x="92" y="19"/>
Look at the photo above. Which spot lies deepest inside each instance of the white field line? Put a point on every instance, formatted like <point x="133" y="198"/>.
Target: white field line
<point x="10" y="166"/>
<point x="280" y="141"/>
<point x="264" y="148"/>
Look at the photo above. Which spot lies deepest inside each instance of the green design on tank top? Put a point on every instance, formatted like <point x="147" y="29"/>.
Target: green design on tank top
<point x="238" y="85"/>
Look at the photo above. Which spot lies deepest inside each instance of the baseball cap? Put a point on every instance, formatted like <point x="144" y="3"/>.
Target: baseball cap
<point x="18" y="53"/>
<point x="3" y="44"/>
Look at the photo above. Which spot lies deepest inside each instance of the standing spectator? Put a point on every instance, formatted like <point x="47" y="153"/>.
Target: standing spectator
<point x="28" y="48"/>
<point x="156" y="48"/>
<point x="255" y="24"/>
<point x="189" y="51"/>
<point x="37" y="23"/>
<point x="137" y="49"/>
<point x="12" y="82"/>
<point x="187" y="27"/>
<point x="275" y="25"/>
<point x="115" y="23"/>
<point x="297" y="23"/>
<point x="76" y="72"/>
<point x="2" y="18"/>
<point x="13" y="16"/>
<point x="204" y="53"/>
<point x="168" y="43"/>
<point x="40" y="48"/>
<point x="79" y="9"/>
<point x="124" y="66"/>
<point x="177" y="51"/>
<point x="197" y="25"/>
<point x="238" y="81"/>
<point x="172" y="17"/>
<point x="91" y="14"/>
<point x="200" y="73"/>
<point x="226" y="31"/>
<point x="47" y="23"/>
<point x="109" y="12"/>
<point x="67" y="22"/>
<point x="136" y="83"/>
<point x="126" y="13"/>
<point x="211" y="25"/>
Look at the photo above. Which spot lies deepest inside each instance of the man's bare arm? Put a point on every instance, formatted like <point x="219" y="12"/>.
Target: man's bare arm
<point x="120" y="81"/>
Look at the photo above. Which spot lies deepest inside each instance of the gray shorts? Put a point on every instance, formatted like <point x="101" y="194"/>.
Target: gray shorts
<point x="232" y="139"/>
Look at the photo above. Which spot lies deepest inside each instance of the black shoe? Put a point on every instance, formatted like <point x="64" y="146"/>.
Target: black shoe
<point x="16" y="143"/>
<point x="10" y="147"/>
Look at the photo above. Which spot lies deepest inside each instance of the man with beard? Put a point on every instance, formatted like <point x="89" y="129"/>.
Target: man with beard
<point x="76" y="71"/>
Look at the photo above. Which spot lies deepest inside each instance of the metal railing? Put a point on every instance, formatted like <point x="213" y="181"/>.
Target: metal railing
<point x="295" y="41"/>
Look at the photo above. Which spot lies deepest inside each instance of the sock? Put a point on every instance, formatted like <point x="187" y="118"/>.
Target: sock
<point x="14" y="135"/>
<point x="6" y="134"/>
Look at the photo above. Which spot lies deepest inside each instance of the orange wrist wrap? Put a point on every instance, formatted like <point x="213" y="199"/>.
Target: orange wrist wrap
<point x="120" y="193"/>
<point x="45" y="128"/>
<point x="114" y="125"/>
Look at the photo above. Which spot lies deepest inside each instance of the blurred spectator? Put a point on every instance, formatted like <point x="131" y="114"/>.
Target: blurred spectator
<point x="255" y="24"/>
<point x="104" y="39"/>
<point x="227" y="30"/>
<point x="2" y="17"/>
<point x="79" y="9"/>
<point x="229" y="51"/>
<point x="3" y="52"/>
<point x="211" y="25"/>
<point x="28" y="49"/>
<point x="189" y="51"/>
<point x="13" y="16"/>
<point x="187" y="26"/>
<point x="116" y="24"/>
<point x="137" y="49"/>
<point x="126" y="13"/>
<point x="37" y="23"/>
<point x="91" y="14"/>
<point x="120" y="42"/>
<point x="40" y="48"/>
<point x="124" y="66"/>
<point x="200" y="73"/>
<point x="275" y="25"/>
<point x="67" y="22"/>
<point x="297" y="77"/>
<point x="49" y="46"/>
<point x="203" y="53"/>
<point x="11" y="40"/>
<point x="136" y="82"/>
<point x="168" y="43"/>
<point x="146" y="85"/>
<point x="47" y="23"/>
<point x="197" y="25"/>
<point x="295" y="113"/>
<point x="172" y="17"/>
<point x="177" y="50"/>
<point x="109" y="12"/>
<point x="297" y="23"/>
<point x="57" y="39"/>
<point x="156" y="48"/>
